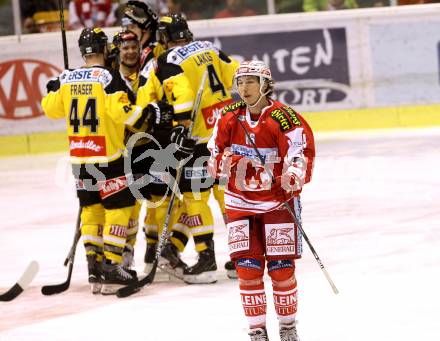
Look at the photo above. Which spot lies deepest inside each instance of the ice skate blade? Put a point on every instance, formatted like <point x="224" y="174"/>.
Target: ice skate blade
<point x="208" y="277"/>
<point x="232" y="274"/>
<point x="95" y="288"/>
<point x="177" y="273"/>
<point x="110" y="289"/>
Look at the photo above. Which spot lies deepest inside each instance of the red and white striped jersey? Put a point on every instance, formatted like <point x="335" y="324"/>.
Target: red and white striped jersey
<point x="280" y="134"/>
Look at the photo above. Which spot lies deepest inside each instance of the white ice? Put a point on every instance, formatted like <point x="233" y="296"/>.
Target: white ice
<point x="372" y="212"/>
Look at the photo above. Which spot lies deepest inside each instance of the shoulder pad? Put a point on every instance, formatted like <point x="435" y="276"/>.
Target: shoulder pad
<point x="180" y="53"/>
<point x="292" y="114"/>
<point x="93" y="74"/>
<point x="64" y="75"/>
<point x="233" y="106"/>
<point x="105" y="77"/>
<point x="150" y="65"/>
<point x="209" y="45"/>
<point x="171" y="57"/>
<point x="280" y="117"/>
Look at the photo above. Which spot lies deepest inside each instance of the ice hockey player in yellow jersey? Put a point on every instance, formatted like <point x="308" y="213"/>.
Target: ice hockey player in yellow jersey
<point x="176" y="80"/>
<point x="96" y="107"/>
<point x="143" y="21"/>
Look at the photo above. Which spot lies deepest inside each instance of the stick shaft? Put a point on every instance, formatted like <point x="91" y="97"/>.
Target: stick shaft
<point x="63" y="34"/>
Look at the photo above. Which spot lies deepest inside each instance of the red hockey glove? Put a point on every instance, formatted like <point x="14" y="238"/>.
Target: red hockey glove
<point x="293" y="176"/>
<point x="221" y="165"/>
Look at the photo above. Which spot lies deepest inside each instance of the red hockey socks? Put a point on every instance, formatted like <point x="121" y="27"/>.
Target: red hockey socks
<point x="254" y="303"/>
<point x="285" y="301"/>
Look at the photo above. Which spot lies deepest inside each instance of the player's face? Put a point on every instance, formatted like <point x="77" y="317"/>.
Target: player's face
<point x="129" y="53"/>
<point x="249" y="89"/>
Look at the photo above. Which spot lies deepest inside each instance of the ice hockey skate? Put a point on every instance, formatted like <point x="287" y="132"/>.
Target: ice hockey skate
<point x="115" y="276"/>
<point x="95" y="274"/>
<point x="204" y="271"/>
<point x="288" y="333"/>
<point x="150" y="256"/>
<point x="259" y="334"/>
<point x="231" y="271"/>
<point x="170" y="261"/>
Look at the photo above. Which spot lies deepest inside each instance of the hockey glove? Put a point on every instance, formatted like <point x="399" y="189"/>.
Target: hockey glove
<point x="184" y="145"/>
<point x="159" y="115"/>
<point x="223" y="164"/>
<point x="53" y="85"/>
<point x="293" y="176"/>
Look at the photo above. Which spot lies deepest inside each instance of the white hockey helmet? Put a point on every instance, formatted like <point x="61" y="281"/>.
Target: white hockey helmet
<point x="259" y="69"/>
<point x="253" y="68"/>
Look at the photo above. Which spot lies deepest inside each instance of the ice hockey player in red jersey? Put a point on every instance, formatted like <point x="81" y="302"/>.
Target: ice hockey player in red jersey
<point x="261" y="232"/>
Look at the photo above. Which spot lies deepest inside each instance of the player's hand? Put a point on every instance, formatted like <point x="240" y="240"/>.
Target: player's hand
<point x="53" y="84"/>
<point x="293" y="176"/>
<point x="221" y="165"/>
<point x="185" y="146"/>
<point x="160" y="115"/>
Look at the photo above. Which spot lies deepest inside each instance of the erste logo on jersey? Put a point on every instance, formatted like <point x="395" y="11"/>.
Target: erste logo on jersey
<point x="179" y="54"/>
<point x="22" y="85"/>
<point x="196" y="173"/>
<point x="100" y="75"/>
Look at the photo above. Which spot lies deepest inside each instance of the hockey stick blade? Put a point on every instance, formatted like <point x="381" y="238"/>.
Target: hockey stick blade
<point x="21" y="285"/>
<point x="59" y="288"/>
<point x="135" y="287"/>
<point x="48" y="290"/>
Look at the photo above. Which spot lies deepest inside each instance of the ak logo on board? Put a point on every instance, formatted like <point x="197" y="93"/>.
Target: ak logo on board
<point x="22" y="86"/>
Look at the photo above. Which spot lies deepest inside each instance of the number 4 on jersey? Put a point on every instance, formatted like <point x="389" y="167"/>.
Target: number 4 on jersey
<point x="214" y="81"/>
<point x="89" y="118"/>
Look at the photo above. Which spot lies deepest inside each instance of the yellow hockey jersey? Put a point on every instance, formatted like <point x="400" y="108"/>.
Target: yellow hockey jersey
<point x="177" y="77"/>
<point x="96" y="107"/>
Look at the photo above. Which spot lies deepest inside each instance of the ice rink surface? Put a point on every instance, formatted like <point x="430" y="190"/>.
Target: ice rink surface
<point x="372" y="213"/>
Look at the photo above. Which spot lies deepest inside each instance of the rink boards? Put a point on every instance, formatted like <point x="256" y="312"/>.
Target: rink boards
<point x="359" y="69"/>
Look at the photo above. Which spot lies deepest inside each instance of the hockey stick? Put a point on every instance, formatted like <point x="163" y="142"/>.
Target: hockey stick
<point x="22" y="284"/>
<point x="135" y="287"/>
<point x="289" y="209"/>
<point x="63" y="34"/>
<point x="59" y="288"/>
<point x="131" y="289"/>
